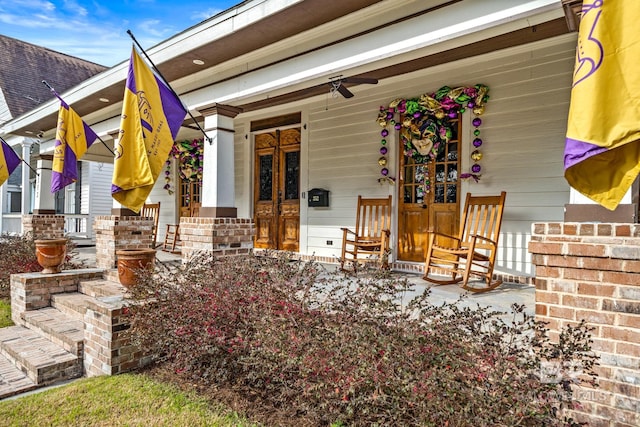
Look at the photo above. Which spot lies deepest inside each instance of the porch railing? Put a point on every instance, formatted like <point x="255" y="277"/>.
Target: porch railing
<point x="77" y="225"/>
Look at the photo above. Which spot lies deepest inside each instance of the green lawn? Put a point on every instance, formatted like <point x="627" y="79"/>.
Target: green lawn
<point x="5" y="313"/>
<point x="121" y="400"/>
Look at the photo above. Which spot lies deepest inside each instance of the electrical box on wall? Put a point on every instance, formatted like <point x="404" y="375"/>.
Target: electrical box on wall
<point x="318" y="197"/>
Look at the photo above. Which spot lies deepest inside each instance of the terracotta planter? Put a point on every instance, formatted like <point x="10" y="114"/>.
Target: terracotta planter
<point x="130" y="261"/>
<point x="51" y="254"/>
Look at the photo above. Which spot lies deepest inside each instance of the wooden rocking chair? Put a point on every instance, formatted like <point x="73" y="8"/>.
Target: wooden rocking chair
<point x="152" y="210"/>
<point x="172" y="242"/>
<point x="370" y="240"/>
<point x="473" y="251"/>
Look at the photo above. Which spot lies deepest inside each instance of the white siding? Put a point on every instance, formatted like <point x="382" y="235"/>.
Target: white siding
<point x="168" y="202"/>
<point x="96" y="191"/>
<point x="523" y="132"/>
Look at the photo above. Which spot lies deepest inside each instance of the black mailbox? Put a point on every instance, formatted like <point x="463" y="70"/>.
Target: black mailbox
<point x="318" y="197"/>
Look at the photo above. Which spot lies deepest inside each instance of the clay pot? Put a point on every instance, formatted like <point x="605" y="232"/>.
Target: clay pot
<point x="51" y="254"/>
<point x="130" y="261"/>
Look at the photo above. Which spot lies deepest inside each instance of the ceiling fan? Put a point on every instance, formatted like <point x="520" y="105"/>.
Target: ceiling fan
<point x="337" y="84"/>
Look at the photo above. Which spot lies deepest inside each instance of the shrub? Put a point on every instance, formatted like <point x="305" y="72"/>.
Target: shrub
<point x="356" y="351"/>
<point x="18" y="255"/>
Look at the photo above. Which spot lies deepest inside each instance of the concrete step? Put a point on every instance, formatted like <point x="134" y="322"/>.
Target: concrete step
<point x="12" y="380"/>
<point x="58" y="327"/>
<point x="43" y="361"/>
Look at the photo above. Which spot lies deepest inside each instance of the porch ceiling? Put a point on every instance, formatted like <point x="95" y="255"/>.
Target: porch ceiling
<point x="288" y="22"/>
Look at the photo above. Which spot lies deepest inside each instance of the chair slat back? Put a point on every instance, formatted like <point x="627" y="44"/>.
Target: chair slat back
<point x="482" y="216"/>
<point x="373" y="216"/>
<point x="152" y="210"/>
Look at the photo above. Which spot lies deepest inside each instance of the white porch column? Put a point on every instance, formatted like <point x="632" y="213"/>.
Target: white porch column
<point x="26" y="174"/>
<point x="44" y="200"/>
<point x="218" y="192"/>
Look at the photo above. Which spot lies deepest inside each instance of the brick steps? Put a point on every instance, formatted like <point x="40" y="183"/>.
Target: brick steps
<point x="43" y="361"/>
<point x="12" y="380"/>
<point x="58" y="327"/>
<point x="49" y="347"/>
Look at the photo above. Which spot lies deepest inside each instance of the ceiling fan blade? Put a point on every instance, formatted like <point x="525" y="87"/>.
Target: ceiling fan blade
<point x="345" y="92"/>
<point x="362" y="80"/>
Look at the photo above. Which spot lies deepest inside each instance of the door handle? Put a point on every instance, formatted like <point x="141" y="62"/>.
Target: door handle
<point x="424" y="206"/>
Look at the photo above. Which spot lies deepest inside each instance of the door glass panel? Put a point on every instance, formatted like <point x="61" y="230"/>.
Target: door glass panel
<point x="292" y="175"/>
<point x="416" y="180"/>
<point x="438" y="196"/>
<point x="266" y="172"/>
<point x="452" y="192"/>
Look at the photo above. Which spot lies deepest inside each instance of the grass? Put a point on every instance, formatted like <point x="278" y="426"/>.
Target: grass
<point x="120" y="400"/>
<point x="5" y="313"/>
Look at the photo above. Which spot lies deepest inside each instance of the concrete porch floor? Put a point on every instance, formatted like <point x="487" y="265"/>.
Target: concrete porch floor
<point x="500" y="299"/>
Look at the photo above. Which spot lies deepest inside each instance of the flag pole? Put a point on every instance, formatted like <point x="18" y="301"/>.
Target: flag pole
<point x="168" y="85"/>
<point x="23" y="160"/>
<point x="58" y="96"/>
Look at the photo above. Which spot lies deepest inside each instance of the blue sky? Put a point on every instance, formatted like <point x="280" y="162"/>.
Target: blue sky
<point x="97" y="30"/>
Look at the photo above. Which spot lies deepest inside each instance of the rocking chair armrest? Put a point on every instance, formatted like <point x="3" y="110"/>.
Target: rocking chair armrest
<point x="346" y="230"/>
<point x="486" y="239"/>
<point x="436" y="233"/>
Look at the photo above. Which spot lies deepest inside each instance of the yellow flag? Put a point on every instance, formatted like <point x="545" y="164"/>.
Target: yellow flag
<point x="602" y="152"/>
<point x="151" y="117"/>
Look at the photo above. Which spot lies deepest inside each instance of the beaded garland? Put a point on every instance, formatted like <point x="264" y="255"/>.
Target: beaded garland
<point x="189" y="155"/>
<point x="427" y="127"/>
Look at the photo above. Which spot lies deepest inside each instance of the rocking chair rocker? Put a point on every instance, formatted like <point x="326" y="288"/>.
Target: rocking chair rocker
<point x="476" y="245"/>
<point x="370" y="240"/>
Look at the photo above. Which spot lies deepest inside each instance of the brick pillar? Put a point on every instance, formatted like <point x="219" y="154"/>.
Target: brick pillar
<point x="114" y="233"/>
<point x="43" y="226"/>
<point x="220" y="236"/>
<point x="107" y="347"/>
<point x="592" y="271"/>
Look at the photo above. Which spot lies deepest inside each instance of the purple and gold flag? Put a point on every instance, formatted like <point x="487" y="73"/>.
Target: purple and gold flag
<point x="602" y="152"/>
<point x="73" y="138"/>
<point x="8" y="163"/>
<point x="151" y="117"/>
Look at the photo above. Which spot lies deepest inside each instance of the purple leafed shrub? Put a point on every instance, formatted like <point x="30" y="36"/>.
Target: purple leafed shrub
<point x="18" y="255"/>
<point x="345" y="350"/>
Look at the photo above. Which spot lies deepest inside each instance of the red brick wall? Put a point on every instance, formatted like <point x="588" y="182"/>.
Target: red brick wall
<point x="220" y="236"/>
<point x="592" y="272"/>
<point x="114" y="233"/>
<point x="43" y="226"/>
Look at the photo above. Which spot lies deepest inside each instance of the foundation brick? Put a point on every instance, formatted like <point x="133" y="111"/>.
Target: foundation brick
<point x="593" y="270"/>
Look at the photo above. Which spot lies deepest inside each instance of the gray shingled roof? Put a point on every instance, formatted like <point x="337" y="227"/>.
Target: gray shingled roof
<point x="23" y="66"/>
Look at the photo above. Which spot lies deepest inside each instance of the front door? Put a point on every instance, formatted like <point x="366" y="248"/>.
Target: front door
<point x="429" y="198"/>
<point x="190" y="195"/>
<point x="277" y="190"/>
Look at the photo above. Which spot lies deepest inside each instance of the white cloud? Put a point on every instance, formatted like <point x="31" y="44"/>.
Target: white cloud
<point x="96" y="30"/>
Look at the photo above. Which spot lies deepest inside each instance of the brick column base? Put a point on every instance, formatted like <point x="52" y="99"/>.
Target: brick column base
<point x="43" y="226"/>
<point x="107" y="347"/>
<point x="114" y="233"/>
<point x="592" y="272"/>
<point x="220" y="236"/>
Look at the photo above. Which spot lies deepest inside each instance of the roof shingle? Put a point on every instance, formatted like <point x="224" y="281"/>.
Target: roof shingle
<point x="23" y="66"/>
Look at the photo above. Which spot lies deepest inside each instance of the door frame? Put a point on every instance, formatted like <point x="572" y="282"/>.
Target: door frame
<point x="274" y="240"/>
<point x="444" y="217"/>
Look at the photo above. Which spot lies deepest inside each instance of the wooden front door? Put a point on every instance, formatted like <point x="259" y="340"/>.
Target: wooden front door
<point x="190" y="197"/>
<point x="277" y="190"/>
<point x="429" y="198"/>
